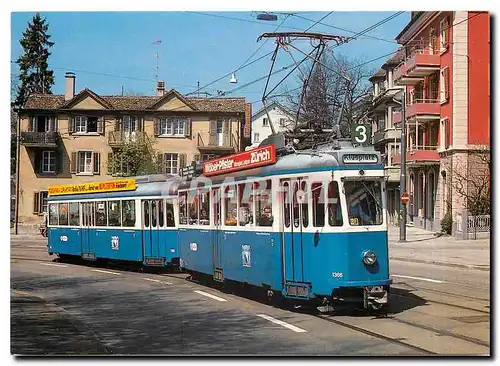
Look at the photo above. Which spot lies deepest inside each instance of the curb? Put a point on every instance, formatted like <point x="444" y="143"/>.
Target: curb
<point x="444" y="264"/>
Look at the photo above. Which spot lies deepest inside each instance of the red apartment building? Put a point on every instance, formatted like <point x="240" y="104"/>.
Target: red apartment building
<point x="445" y="72"/>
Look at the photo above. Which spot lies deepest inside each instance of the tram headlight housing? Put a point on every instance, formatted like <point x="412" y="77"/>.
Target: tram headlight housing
<point x="369" y="258"/>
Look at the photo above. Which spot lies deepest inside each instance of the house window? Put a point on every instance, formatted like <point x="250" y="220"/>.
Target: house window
<point x="206" y="157"/>
<point x="130" y="124"/>
<point x="48" y="162"/>
<point x="256" y="137"/>
<point x="85" y="162"/>
<point x="84" y="124"/>
<point x="443" y="34"/>
<point x="282" y="122"/>
<point x="445" y="135"/>
<point x="173" y="126"/>
<point x="220" y="125"/>
<point x="172" y="163"/>
<point x="40" y="202"/>
<point x="265" y="122"/>
<point x="444" y="84"/>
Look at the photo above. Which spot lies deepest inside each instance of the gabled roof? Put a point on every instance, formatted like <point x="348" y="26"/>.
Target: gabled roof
<point x="86" y="92"/>
<point x="270" y="106"/>
<point x="168" y="95"/>
<point x="136" y="103"/>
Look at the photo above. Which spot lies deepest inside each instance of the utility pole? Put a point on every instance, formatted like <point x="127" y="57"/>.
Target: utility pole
<point x="402" y="179"/>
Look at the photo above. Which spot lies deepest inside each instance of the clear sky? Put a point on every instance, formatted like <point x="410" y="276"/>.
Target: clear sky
<point x="194" y="47"/>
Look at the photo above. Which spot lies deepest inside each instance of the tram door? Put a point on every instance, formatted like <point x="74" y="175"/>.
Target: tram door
<point x="88" y="222"/>
<point x="217" y="235"/>
<point x="151" y="209"/>
<point x="294" y="219"/>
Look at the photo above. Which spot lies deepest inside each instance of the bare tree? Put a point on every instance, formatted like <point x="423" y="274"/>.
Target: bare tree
<point x="471" y="180"/>
<point x="326" y="91"/>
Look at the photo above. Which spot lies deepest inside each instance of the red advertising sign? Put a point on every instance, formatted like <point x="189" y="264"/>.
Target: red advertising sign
<point x="245" y="160"/>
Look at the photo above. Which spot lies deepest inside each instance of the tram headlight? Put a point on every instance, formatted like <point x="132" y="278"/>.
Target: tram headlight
<point x="369" y="257"/>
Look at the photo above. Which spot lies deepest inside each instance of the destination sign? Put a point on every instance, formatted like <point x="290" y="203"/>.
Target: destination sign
<point x="96" y="187"/>
<point x="360" y="159"/>
<point x="245" y="160"/>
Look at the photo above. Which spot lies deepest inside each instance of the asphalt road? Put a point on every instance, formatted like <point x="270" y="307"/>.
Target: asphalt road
<point x="76" y="309"/>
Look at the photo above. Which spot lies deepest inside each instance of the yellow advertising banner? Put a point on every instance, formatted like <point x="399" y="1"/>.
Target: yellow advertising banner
<point x="96" y="187"/>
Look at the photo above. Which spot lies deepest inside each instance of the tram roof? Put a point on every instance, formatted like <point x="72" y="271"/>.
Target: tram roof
<point x="147" y="185"/>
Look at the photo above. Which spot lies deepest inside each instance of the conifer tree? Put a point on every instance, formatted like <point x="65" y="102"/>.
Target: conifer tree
<point x="34" y="73"/>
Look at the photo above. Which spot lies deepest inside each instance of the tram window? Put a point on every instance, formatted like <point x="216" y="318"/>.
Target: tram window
<point x="114" y="213"/>
<point x="318" y="204"/>
<point x="305" y="205"/>
<point x="183" y="208"/>
<point x="264" y="205"/>
<point x="334" y="208"/>
<point x="230" y="206"/>
<point x="364" y="202"/>
<point x="286" y="203"/>
<point x="161" y="213"/>
<point x="53" y="214"/>
<point x="146" y="213"/>
<point x="295" y="204"/>
<point x="128" y="213"/>
<point x="216" y="205"/>
<point x="170" y="214"/>
<point x="100" y="214"/>
<point x="154" y="213"/>
<point x="63" y="214"/>
<point x="193" y="202"/>
<point x="245" y="213"/>
<point x="204" y="205"/>
<point x="74" y="214"/>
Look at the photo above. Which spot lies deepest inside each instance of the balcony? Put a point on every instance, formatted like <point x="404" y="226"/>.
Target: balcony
<point x="424" y="109"/>
<point x="421" y="62"/>
<point x="392" y="173"/>
<point x="396" y="117"/>
<point x="118" y="138"/>
<point x="383" y="136"/>
<point x="218" y="143"/>
<point x="380" y="101"/>
<point x="39" y="139"/>
<point x="419" y="156"/>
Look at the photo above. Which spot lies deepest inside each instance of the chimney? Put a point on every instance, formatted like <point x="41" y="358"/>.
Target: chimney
<point x="69" y="91"/>
<point x="160" y="88"/>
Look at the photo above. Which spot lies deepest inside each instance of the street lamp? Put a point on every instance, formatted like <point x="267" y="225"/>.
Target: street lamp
<point x="402" y="177"/>
<point x="267" y="17"/>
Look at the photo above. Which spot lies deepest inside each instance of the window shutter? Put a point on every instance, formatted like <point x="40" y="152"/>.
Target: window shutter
<point x="182" y="161"/>
<point x="110" y="164"/>
<point x="212" y="132"/>
<point x="31" y="125"/>
<point x="226" y="127"/>
<point x="447" y="136"/>
<point x="157" y="126"/>
<point x="118" y="122"/>
<point x="71" y="124"/>
<point x="59" y="161"/>
<point x="73" y="162"/>
<point x="100" y="125"/>
<point x="97" y="163"/>
<point x="36" y="203"/>
<point x="447" y="83"/>
<point x="38" y="161"/>
<point x="160" y="166"/>
<point x="187" y="127"/>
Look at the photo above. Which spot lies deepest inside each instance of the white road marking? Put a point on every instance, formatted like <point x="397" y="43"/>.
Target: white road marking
<point x="210" y="295"/>
<point x="101" y="271"/>
<point x="419" y="278"/>
<point x="53" y="264"/>
<point x="155" y="280"/>
<point x="282" y="323"/>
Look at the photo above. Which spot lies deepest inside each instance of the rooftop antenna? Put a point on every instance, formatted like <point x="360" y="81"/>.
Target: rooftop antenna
<point x="157" y="55"/>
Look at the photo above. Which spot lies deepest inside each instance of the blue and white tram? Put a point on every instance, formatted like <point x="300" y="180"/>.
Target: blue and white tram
<point x="309" y="225"/>
<point x="137" y="226"/>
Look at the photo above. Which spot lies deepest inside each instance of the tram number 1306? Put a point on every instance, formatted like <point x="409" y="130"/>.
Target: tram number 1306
<point x="337" y="274"/>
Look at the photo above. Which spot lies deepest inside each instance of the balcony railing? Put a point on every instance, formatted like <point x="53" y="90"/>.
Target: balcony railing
<point x="378" y="136"/>
<point x="427" y="107"/>
<point x="421" y="61"/>
<point x="419" y="155"/>
<point x="117" y="138"/>
<point x="39" y="139"/>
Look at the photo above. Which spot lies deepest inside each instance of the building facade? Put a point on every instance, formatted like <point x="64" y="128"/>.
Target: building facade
<point x="277" y="115"/>
<point x="445" y="73"/>
<point x="70" y="138"/>
<point x="386" y="134"/>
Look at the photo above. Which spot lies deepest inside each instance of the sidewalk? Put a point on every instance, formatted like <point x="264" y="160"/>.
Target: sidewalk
<point x="422" y="246"/>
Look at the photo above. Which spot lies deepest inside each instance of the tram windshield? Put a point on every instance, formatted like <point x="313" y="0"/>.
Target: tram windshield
<point x="364" y="202"/>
